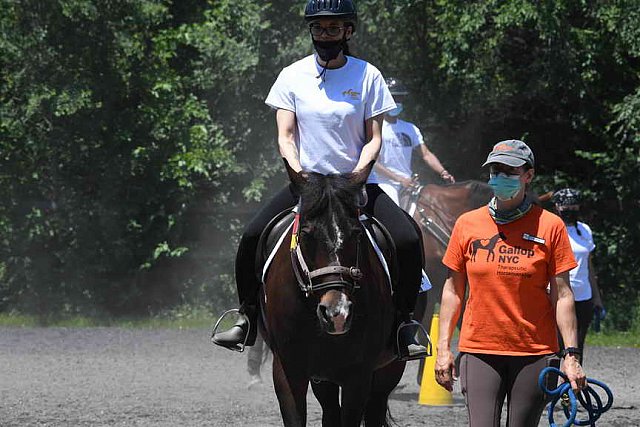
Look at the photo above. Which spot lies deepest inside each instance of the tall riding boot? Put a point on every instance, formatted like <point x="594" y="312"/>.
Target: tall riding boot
<point x="408" y="346"/>
<point x="243" y="333"/>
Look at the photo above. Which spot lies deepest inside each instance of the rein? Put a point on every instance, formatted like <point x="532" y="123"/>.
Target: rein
<point x="429" y="224"/>
<point x="308" y="279"/>
<point x="569" y="400"/>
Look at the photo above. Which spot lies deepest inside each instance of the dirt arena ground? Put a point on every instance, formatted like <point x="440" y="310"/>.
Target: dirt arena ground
<point x="121" y="377"/>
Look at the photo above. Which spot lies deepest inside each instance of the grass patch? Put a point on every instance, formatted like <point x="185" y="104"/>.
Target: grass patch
<point x="198" y="320"/>
<point x="614" y="339"/>
<point x="17" y="320"/>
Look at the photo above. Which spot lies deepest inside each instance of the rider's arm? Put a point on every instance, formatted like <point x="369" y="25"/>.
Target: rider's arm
<point x="562" y="299"/>
<point x="450" y="307"/>
<point x="371" y="148"/>
<point x="286" y="122"/>
<point x="379" y="168"/>
<point x="432" y="161"/>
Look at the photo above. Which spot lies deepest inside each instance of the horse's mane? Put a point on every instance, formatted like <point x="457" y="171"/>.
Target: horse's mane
<point x="479" y="192"/>
<point x="328" y="197"/>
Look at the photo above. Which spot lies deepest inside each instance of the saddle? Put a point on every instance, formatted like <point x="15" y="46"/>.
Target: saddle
<point x="271" y="239"/>
<point x="278" y="230"/>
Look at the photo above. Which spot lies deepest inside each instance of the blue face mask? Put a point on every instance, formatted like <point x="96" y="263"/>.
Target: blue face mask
<point x="396" y="111"/>
<point x="505" y="187"/>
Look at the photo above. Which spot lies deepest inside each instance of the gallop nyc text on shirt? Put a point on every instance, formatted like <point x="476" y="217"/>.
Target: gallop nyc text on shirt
<point x="508" y="268"/>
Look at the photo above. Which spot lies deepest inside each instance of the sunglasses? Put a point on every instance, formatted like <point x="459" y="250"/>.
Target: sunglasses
<point x="504" y="169"/>
<point x="332" y="31"/>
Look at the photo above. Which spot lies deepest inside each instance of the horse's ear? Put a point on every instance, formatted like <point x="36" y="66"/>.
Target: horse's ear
<point x="297" y="179"/>
<point x="360" y="177"/>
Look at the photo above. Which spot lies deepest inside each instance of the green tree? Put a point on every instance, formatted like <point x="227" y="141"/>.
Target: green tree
<point x="109" y="142"/>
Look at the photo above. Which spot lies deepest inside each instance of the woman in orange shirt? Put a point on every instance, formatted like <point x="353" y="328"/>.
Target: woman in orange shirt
<point x="508" y="252"/>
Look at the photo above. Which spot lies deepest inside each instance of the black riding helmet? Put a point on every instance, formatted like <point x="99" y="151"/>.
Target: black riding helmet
<point x="342" y="9"/>
<point x="396" y="87"/>
<point x="567" y="197"/>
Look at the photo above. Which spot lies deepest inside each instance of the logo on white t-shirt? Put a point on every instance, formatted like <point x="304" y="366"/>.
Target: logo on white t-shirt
<point x="350" y="93"/>
<point x="405" y="140"/>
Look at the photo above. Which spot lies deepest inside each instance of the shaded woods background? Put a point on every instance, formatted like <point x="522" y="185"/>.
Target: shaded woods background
<point x="134" y="142"/>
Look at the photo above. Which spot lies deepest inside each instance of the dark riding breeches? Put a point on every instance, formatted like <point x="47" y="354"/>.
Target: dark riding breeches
<point x="246" y="277"/>
<point x="406" y="239"/>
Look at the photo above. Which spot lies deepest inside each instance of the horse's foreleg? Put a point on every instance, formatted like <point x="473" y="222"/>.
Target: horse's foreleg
<point x="376" y="411"/>
<point x="291" y="389"/>
<point x="328" y="394"/>
<point x="355" y="394"/>
<point x="384" y="381"/>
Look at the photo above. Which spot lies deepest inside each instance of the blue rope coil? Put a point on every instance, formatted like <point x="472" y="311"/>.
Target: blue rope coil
<point x="588" y="398"/>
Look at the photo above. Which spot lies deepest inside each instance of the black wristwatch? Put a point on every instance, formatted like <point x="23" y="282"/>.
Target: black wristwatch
<point x="571" y="350"/>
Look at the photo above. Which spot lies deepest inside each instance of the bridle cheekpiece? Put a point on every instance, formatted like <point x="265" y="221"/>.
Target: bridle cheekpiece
<point x="310" y="281"/>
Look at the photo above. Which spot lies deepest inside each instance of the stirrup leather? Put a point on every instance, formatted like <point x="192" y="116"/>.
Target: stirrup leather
<point x="414" y="323"/>
<point x="240" y="347"/>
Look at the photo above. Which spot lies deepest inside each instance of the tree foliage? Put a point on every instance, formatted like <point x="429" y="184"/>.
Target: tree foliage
<point x="109" y="139"/>
<point x="134" y="141"/>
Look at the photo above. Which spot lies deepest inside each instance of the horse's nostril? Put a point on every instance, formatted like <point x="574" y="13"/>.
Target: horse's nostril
<point x="322" y="310"/>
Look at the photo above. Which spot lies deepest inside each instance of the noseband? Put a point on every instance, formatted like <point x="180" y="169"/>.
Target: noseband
<point x="311" y="281"/>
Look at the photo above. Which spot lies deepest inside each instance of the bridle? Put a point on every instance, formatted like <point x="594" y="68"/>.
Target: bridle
<point x="429" y="222"/>
<point x="310" y="281"/>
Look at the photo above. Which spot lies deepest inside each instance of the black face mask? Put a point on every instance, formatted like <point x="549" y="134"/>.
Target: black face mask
<point x="569" y="217"/>
<point x="328" y="50"/>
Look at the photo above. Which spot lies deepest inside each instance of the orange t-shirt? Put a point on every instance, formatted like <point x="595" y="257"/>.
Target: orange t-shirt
<point x="508" y="268"/>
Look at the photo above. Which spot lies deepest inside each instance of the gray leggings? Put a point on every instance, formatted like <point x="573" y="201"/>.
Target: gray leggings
<point x="487" y="378"/>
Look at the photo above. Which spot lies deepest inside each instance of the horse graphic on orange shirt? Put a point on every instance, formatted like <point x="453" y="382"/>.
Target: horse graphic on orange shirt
<point x="486" y="244"/>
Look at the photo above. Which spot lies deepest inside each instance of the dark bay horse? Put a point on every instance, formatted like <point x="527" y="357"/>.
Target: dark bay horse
<point x="435" y="208"/>
<point x="330" y="322"/>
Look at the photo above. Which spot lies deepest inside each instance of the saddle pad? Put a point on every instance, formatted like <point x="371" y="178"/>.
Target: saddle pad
<point x="273" y="236"/>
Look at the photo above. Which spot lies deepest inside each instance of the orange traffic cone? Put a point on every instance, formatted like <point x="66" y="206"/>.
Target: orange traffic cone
<point x="432" y="393"/>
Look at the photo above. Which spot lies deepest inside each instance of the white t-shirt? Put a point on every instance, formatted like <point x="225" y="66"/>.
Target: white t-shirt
<point x="330" y="113"/>
<point x="398" y="141"/>
<point x="582" y="245"/>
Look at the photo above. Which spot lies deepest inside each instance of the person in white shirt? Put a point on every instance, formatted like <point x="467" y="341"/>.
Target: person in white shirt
<point x="329" y="112"/>
<point x="399" y="141"/>
<point x="583" y="278"/>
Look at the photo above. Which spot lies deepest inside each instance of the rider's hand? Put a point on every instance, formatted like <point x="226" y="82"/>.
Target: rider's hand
<point x="406" y="182"/>
<point x="574" y="372"/>
<point x="445" y="368"/>
<point x="446" y="176"/>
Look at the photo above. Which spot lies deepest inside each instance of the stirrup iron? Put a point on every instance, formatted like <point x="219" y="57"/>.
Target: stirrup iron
<point x="414" y="323"/>
<point x="240" y="347"/>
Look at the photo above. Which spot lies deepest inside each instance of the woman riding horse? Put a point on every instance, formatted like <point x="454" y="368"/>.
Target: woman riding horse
<point x="329" y="112"/>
